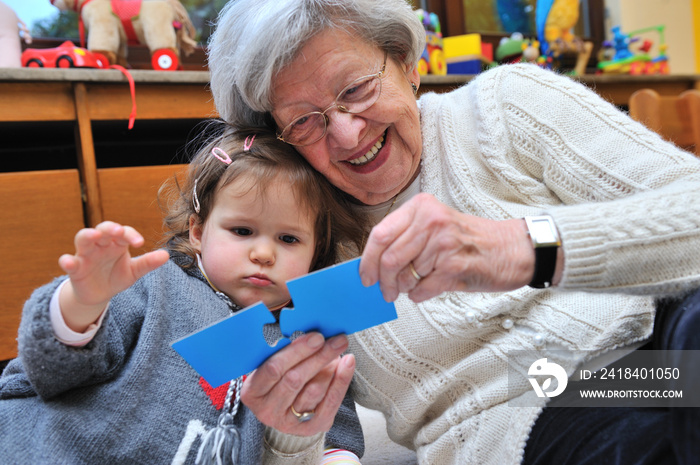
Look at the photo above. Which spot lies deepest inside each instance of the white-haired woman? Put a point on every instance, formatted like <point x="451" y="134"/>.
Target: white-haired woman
<point x="518" y="213"/>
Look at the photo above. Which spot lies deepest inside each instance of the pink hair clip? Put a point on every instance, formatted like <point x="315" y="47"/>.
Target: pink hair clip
<point x="221" y="155"/>
<point x="247" y="144"/>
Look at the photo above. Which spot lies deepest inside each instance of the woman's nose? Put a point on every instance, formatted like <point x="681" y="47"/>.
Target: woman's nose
<point x="263" y="252"/>
<point x="344" y="129"/>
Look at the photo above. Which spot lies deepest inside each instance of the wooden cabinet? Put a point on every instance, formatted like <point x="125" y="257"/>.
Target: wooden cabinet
<point x="47" y="201"/>
<point x="46" y="207"/>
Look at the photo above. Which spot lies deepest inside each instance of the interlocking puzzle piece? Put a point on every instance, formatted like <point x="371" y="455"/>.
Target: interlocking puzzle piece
<point x="230" y="348"/>
<point x="331" y="301"/>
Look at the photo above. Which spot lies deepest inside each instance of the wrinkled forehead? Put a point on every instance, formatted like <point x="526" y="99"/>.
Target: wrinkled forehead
<point x="322" y="67"/>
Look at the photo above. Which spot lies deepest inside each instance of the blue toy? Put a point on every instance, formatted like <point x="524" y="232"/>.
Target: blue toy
<point x="331" y="301"/>
<point x="621" y="43"/>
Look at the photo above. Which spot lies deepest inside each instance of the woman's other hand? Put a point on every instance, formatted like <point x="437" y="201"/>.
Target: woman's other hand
<point x="101" y="267"/>
<point x="448" y="250"/>
<point x="308" y="375"/>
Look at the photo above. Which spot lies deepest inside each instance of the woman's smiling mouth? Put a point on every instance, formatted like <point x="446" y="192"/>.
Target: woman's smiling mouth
<point x="371" y="153"/>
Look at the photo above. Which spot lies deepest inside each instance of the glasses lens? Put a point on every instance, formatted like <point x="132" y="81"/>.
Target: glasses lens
<point x="306" y="130"/>
<point x="361" y="94"/>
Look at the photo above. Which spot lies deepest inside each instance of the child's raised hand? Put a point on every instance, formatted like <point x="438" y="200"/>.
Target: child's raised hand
<point x="102" y="267"/>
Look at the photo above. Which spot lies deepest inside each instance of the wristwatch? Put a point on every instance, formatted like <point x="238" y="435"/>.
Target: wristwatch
<point x="545" y="240"/>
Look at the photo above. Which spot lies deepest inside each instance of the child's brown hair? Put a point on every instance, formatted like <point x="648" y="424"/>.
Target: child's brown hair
<point x="337" y="225"/>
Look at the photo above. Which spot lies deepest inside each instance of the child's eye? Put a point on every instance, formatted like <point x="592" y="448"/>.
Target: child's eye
<point x="287" y="239"/>
<point x="242" y="231"/>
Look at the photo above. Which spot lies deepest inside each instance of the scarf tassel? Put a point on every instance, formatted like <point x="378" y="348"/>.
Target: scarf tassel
<point x="221" y="444"/>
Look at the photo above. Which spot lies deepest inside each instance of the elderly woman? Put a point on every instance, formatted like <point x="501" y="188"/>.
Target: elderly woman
<point x="489" y="203"/>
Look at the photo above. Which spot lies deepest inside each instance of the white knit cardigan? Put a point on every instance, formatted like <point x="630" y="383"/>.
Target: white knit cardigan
<point x="521" y="141"/>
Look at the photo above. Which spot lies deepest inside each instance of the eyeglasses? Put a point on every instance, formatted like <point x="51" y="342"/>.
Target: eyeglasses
<point x="355" y="98"/>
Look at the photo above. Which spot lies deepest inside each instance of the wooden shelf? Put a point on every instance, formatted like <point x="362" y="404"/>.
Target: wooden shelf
<point x="614" y="88"/>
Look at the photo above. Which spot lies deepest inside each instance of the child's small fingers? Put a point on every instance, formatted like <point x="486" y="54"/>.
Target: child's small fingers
<point x="86" y="238"/>
<point x="68" y="263"/>
<point x="149" y="262"/>
<point x="110" y="232"/>
<point x="133" y="237"/>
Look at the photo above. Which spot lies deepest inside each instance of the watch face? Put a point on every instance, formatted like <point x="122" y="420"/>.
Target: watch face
<point x="541" y="230"/>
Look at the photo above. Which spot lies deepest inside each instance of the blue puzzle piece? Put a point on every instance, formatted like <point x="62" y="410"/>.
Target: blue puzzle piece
<point x="331" y="301"/>
<point x="334" y="301"/>
<point x="230" y="348"/>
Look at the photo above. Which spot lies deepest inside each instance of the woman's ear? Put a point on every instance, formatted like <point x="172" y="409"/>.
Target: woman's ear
<point x="196" y="232"/>
<point x="412" y="74"/>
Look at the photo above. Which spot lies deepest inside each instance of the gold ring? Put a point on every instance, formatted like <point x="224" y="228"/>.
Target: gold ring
<point x="414" y="272"/>
<point x="302" y="417"/>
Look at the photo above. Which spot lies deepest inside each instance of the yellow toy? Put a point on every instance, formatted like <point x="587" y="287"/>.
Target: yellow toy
<point x="554" y="20"/>
<point x="162" y="25"/>
<point x="562" y="17"/>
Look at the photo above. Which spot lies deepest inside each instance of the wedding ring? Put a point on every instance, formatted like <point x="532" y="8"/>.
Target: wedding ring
<point x="302" y="417"/>
<point x="414" y="272"/>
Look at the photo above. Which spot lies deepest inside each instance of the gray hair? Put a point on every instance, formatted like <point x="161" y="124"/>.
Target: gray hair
<point x="255" y="39"/>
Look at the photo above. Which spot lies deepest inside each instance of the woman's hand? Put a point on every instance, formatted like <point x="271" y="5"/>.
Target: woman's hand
<point x="449" y="250"/>
<point x="101" y="267"/>
<point x="309" y="375"/>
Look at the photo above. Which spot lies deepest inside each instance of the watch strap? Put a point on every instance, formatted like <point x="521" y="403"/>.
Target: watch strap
<point x="545" y="264"/>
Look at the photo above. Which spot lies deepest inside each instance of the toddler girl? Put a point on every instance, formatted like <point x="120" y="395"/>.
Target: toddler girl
<point x="96" y="380"/>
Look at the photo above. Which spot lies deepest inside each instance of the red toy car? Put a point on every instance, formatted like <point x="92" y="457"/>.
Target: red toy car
<point x="66" y="55"/>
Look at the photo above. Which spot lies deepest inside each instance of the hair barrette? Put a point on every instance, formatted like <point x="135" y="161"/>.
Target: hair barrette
<point x="221" y="155"/>
<point x="247" y="144"/>
<point x="195" y="200"/>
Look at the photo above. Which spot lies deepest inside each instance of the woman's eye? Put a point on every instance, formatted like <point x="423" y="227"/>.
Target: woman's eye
<point x="288" y="239"/>
<point x="301" y="121"/>
<point x="242" y="231"/>
<point x="356" y="91"/>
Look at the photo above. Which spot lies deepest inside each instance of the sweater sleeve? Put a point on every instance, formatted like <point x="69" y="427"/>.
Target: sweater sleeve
<point x="346" y="434"/>
<point x="624" y="200"/>
<point x="281" y="449"/>
<point x="52" y="367"/>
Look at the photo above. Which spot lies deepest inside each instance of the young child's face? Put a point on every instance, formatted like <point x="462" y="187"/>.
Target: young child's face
<point x="253" y="242"/>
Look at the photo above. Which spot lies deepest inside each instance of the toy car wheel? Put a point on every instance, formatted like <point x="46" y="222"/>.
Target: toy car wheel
<point x="34" y="63"/>
<point x="164" y="60"/>
<point x="64" y="61"/>
<point x="437" y="63"/>
<point x="422" y="67"/>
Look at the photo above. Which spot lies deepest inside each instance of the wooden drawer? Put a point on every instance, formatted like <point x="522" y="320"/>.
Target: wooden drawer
<point x="129" y="197"/>
<point x="45" y="211"/>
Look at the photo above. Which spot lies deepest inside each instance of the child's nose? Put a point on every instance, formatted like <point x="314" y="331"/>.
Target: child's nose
<point x="263" y="252"/>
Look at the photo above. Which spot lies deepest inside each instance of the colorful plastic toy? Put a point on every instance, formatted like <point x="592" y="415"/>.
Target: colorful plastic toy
<point x="517" y="48"/>
<point x="554" y="20"/>
<point x="66" y="55"/>
<point x="467" y="54"/>
<point x="433" y="59"/>
<point x="626" y="61"/>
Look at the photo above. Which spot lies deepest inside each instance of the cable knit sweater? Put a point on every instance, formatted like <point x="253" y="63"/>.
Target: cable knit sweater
<point x="127" y="397"/>
<point x="521" y="141"/>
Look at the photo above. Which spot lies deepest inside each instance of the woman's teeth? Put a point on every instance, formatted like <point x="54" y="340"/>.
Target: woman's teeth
<point x="369" y="156"/>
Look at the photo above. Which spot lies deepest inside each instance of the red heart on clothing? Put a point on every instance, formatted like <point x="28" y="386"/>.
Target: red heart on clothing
<point x="217" y="395"/>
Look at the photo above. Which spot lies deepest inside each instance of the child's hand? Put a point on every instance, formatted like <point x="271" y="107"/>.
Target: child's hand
<point x="102" y="267"/>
